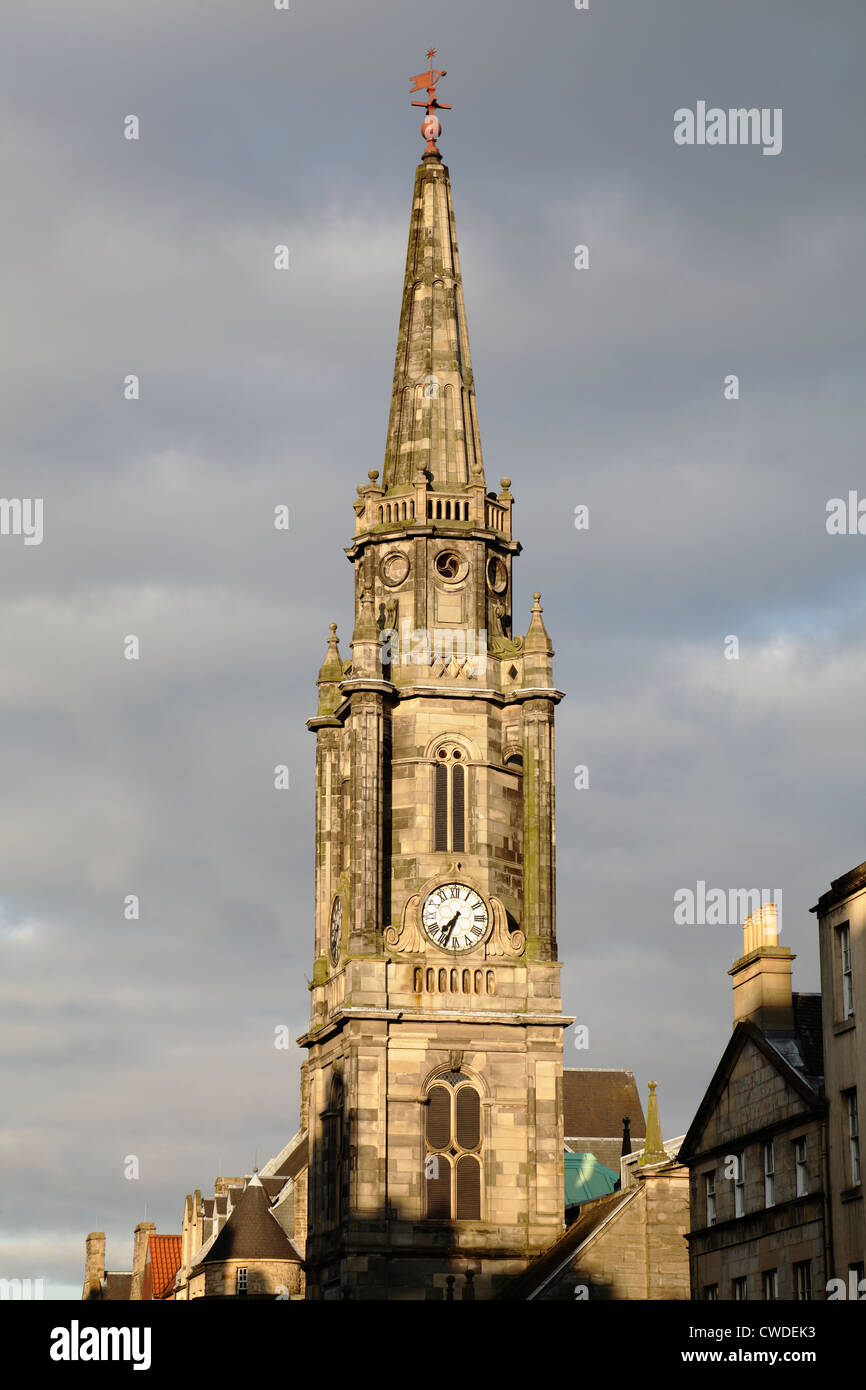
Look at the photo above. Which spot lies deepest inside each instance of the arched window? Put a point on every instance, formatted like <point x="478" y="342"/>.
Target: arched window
<point x="332" y="1155"/>
<point x="449" y="793"/>
<point x="452" y="1159"/>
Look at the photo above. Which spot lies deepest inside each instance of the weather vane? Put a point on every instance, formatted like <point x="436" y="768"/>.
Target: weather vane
<point x="430" y="126"/>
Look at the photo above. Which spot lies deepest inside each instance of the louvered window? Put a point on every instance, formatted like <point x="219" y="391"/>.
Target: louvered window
<point x="452" y="1160"/>
<point x="438" y="1183"/>
<point x="468" y="1107"/>
<point x="449" y="797"/>
<point x="458" y="817"/>
<point x="439" y="1118"/>
<point x="468" y="1188"/>
<point x="441" y="807"/>
<point x="332" y="1165"/>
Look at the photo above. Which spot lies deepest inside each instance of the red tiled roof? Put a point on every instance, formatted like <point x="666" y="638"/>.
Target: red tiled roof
<point x="164" y="1252"/>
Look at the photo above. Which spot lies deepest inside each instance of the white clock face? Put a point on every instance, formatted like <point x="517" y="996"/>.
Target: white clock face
<point x="454" y="917"/>
<point x="336" y="928"/>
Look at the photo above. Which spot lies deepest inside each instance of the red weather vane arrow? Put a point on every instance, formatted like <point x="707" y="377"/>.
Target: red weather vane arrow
<point x="430" y="126"/>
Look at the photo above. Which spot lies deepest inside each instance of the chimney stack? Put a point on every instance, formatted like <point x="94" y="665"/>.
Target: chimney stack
<point x="94" y="1264"/>
<point x="762" y="975"/>
<point x="139" y="1257"/>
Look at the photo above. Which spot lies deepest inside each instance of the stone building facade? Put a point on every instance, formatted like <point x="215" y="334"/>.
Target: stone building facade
<point x="841" y="913"/>
<point x="757" y="1148"/>
<point x="628" y="1245"/>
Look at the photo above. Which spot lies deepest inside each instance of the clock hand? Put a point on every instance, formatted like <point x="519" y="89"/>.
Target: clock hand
<point x="449" y="929"/>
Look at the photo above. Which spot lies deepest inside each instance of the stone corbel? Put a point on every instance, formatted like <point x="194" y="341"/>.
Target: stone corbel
<point x="503" y="942"/>
<point x="408" y="936"/>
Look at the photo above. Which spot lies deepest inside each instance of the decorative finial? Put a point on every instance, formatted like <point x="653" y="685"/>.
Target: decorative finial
<point x="430" y="126"/>
<point x="373" y="474"/>
<point x="653" y="1147"/>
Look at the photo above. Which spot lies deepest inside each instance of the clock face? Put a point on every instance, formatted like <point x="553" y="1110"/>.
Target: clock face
<point x="454" y="917"/>
<point x="336" y="928"/>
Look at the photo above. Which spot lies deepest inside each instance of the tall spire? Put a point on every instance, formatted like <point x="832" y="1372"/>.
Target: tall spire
<point x="433" y="424"/>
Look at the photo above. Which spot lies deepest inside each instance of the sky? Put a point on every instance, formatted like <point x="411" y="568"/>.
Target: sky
<point x="602" y="387"/>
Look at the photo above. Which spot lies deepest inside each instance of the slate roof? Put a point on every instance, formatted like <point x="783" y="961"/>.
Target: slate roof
<point x="164" y="1263"/>
<point x="807" y="1053"/>
<point x="273" y="1186"/>
<point x="252" y="1232"/>
<point x="594" y="1101"/>
<point x="841" y="888"/>
<point x="115" y="1288"/>
<point x="293" y="1162"/>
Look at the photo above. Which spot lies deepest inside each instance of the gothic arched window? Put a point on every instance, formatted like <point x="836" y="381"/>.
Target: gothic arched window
<point x="332" y="1155"/>
<point x="452" y="1158"/>
<point x="449" y="797"/>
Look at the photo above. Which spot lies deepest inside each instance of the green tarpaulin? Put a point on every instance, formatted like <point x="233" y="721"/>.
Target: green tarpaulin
<point x="585" y="1178"/>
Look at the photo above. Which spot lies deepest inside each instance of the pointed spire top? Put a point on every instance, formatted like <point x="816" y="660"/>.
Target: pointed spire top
<point x="332" y="667"/>
<point x="430" y="126"/>
<point x="653" y="1148"/>
<point x="537" y="636"/>
<point x="433" y="424"/>
<point x="330" y="676"/>
<point x="366" y="639"/>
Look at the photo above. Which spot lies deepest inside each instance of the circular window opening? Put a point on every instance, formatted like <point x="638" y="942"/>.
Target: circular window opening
<point x="450" y="566"/>
<point x="394" y="568"/>
<point x="497" y="575"/>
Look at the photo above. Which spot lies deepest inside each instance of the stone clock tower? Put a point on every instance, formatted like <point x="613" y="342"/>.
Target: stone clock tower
<point x="435" y="1041"/>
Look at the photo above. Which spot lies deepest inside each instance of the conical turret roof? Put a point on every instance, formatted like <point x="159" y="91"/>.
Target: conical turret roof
<point x="252" y="1232"/>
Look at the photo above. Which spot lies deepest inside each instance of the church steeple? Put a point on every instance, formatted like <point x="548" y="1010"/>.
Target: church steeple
<point x="435" y="1000"/>
<point x="433" y="424"/>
